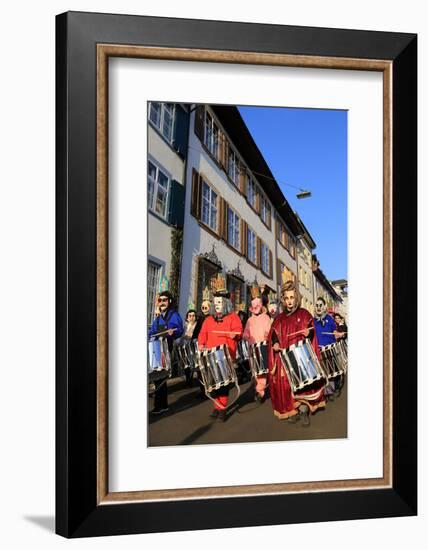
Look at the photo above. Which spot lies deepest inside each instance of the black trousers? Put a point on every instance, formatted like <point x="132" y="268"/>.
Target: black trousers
<point x="161" y="394"/>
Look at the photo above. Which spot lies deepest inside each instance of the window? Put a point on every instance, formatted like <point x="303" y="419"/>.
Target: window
<point x="211" y="138"/>
<point x="251" y="246"/>
<point x="161" y="115"/>
<point x="207" y="276"/>
<point x="286" y="274"/>
<point x="153" y="273"/>
<point x="209" y="206"/>
<point x="233" y="236"/>
<point x="264" y="259"/>
<point x="251" y="191"/>
<point x="265" y="210"/>
<point x="233" y="167"/>
<point x="236" y="289"/>
<point x="281" y="233"/>
<point x="158" y="187"/>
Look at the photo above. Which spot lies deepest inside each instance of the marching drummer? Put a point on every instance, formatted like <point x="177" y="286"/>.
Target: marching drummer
<point x="256" y="331"/>
<point x="327" y="334"/>
<point x="291" y="326"/>
<point x="168" y="324"/>
<point x="342" y="328"/>
<point x="192" y="327"/>
<point x="223" y="326"/>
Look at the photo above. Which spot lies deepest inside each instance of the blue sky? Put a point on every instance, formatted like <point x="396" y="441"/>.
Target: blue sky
<point x="307" y="148"/>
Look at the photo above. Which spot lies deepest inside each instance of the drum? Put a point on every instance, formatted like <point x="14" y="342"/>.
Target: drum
<point x="243" y="351"/>
<point x="301" y="365"/>
<point x="216" y="367"/>
<point x="259" y="358"/>
<point x="343" y="349"/>
<point x="333" y="360"/>
<point x="187" y="354"/>
<point x="159" y="359"/>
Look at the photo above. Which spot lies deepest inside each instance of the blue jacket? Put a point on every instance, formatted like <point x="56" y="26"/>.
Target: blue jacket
<point x="326" y="324"/>
<point x="170" y="319"/>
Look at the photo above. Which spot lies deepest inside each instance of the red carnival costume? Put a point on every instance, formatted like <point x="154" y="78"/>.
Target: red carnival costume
<point x="209" y="336"/>
<point x="223" y="326"/>
<point x="283" y="403"/>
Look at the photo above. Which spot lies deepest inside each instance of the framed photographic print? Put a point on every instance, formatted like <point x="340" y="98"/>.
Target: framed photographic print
<point x="236" y="242"/>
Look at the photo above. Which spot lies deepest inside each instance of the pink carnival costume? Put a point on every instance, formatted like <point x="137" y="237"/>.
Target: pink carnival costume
<point x="257" y="330"/>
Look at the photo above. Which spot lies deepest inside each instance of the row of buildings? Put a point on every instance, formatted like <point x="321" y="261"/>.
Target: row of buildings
<point x="214" y="206"/>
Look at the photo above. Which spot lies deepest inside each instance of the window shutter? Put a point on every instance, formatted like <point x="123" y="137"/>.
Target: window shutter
<point x="223" y="219"/>
<point x="258" y="251"/>
<point x="176" y="204"/>
<point x="225" y="160"/>
<point x="195" y="207"/>
<point x="258" y="201"/>
<point x="200" y="121"/>
<point x="223" y="156"/>
<point x="181" y="130"/>
<point x="270" y="263"/>
<point x="242" y="178"/>
<point x="244" y="238"/>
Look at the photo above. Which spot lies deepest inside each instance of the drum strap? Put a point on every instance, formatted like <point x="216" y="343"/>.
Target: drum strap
<point x="217" y="404"/>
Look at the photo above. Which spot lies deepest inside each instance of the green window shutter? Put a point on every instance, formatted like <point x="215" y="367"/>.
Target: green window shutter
<point x="181" y="130"/>
<point x="195" y="206"/>
<point x="176" y="204"/>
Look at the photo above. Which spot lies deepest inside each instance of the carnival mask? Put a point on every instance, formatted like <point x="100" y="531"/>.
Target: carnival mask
<point x="256" y="306"/>
<point x="218" y="305"/>
<point x="273" y="308"/>
<point x="205" y="307"/>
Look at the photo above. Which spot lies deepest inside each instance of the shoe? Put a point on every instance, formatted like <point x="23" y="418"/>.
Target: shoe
<point x="330" y="397"/>
<point x="159" y="411"/>
<point x="259" y="398"/>
<point x="304" y="413"/>
<point x="293" y="419"/>
<point x="214" y="413"/>
<point x="221" y="416"/>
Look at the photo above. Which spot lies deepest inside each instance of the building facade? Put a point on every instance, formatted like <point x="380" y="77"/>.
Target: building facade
<point x="341" y="288"/>
<point x="229" y="224"/>
<point x="323" y="288"/>
<point x="167" y="153"/>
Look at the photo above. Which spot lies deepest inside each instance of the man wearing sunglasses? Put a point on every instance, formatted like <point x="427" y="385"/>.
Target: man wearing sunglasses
<point x="168" y="324"/>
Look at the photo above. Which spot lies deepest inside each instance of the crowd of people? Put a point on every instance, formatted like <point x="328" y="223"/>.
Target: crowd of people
<point x="270" y="327"/>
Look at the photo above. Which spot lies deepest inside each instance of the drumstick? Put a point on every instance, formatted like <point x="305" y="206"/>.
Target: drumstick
<point x="164" y="332"/>
<point x="332" y="332"/>
<point x="225" y="332"/>
<point x="300" y="331"/>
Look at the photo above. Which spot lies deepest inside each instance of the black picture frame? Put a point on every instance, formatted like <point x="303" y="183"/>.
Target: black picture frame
<point x="78" y="513"/>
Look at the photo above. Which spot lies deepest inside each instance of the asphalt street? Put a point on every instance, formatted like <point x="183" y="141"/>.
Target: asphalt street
<point x="188" y="422"/>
